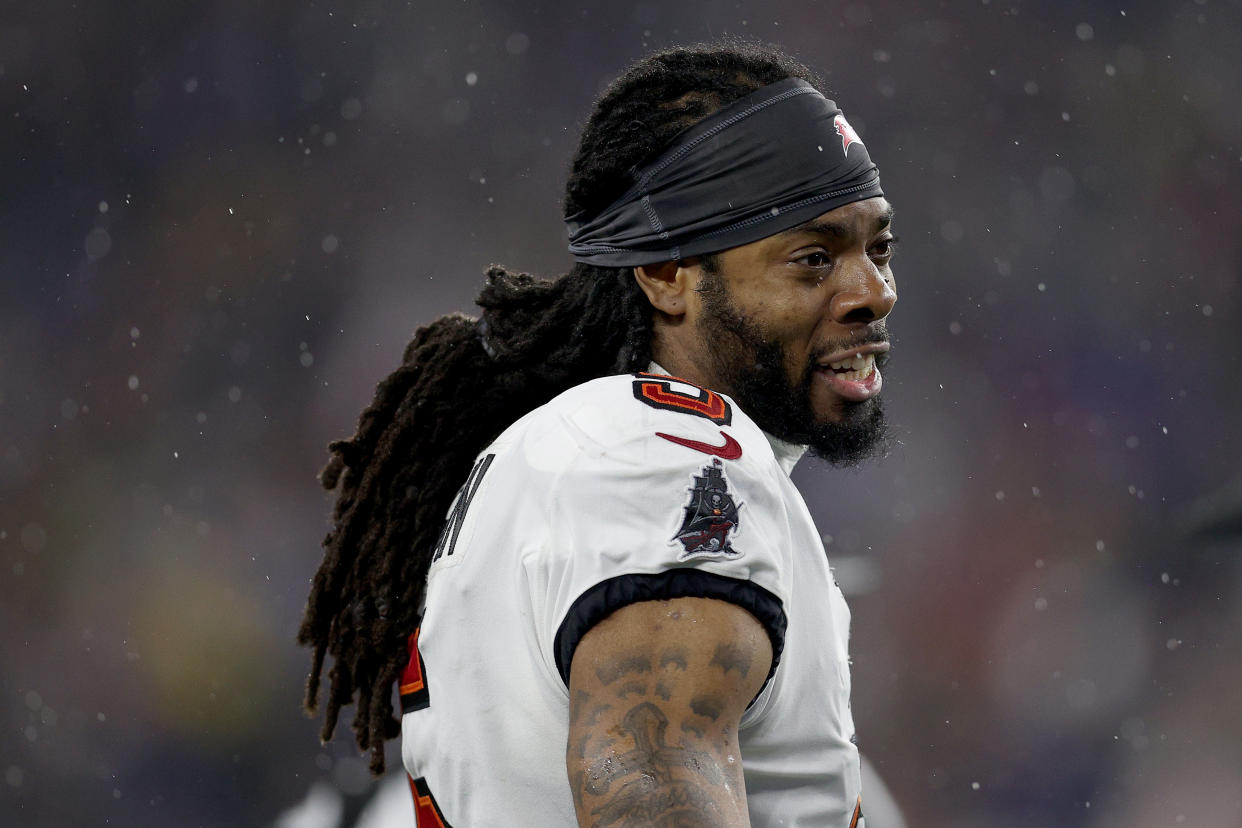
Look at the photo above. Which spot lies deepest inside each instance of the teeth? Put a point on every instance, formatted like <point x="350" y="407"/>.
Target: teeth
<point x="855" y="369"/>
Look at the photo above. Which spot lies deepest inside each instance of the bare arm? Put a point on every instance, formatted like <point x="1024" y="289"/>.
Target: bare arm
<point x="656" y="693"/>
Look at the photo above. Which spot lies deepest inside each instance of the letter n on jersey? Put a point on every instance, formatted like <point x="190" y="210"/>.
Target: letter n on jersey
<point x="457" y="515"/>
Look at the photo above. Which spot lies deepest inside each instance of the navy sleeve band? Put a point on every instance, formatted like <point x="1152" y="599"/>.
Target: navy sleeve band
<point x="608" y="596"/>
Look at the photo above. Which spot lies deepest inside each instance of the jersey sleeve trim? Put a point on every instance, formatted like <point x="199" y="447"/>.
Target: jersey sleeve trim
<point x="610" y="595"/>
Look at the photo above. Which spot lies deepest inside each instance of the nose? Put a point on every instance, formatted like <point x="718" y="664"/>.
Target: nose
<point x="865" y="294"/>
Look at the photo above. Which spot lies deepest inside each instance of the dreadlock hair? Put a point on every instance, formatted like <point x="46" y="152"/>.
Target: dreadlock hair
<point x="461" y="382"/>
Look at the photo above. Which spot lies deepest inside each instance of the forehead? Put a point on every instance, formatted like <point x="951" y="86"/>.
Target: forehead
<point x="859" y="219"/>
<point x="868" y="215"/>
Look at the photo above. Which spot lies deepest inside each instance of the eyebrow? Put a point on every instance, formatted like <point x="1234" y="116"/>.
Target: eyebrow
<point x="839" y="231"/>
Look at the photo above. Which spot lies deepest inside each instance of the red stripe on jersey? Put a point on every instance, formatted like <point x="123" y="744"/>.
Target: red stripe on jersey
<point x="426" y="811"/>
<point x="413" y="686"/>
<point x="412" y="676"/>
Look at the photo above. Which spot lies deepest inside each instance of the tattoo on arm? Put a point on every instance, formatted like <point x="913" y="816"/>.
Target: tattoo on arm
<point x="707" y="706"/>
<point x="583" y="712"/>
<point x="730" y="657"/>
<point x="654" y="788"/>
<point x="609" y="673"/>
<point x="632" y="687"/>
<point x="657" y="692"/>
<point x="675" y="657"/>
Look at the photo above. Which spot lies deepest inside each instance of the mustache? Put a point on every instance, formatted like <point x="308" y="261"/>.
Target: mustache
<point x="875" y="332"/>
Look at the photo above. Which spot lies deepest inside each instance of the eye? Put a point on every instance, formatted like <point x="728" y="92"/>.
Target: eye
<point x="884" y="248"/>
<point x="816" y="259"/>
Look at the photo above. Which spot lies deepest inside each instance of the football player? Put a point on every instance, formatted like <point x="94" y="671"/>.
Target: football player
<point x="566" y="529"/>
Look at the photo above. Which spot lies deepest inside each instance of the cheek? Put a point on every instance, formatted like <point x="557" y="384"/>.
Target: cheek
<point x="791" y="312"/>
<point x="799" y="327"/>
<point x="798" y="335"/>
<point x="786" y="313"/>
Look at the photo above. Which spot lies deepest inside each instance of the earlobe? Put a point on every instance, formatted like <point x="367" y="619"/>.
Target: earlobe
<point x="665" y="284"/>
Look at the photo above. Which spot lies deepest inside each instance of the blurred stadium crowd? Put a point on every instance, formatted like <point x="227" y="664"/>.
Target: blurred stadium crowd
<point x="220" y="222"/>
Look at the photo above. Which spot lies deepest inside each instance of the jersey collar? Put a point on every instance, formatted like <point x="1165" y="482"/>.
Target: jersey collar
<point x="787" y="454"/>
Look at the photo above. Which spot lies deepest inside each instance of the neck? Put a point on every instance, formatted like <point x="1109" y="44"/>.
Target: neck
<point x="681" y="358"/>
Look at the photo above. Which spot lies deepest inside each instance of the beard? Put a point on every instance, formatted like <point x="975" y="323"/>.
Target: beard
<point x="753" y="367"/>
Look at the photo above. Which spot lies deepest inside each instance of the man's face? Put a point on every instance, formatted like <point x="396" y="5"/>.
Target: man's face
<point x="793" y="326"/>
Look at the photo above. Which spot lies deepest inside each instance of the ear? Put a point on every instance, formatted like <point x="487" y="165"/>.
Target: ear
<point x="669" y="285"/>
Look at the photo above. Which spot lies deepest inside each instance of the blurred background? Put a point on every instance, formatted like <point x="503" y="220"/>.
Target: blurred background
<point x="221" y="221"/>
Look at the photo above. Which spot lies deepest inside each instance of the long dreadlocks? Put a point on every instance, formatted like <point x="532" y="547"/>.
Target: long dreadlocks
<point x="462" y="382"/>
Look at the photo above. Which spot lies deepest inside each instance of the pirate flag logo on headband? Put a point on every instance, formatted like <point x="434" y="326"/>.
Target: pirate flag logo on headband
<point x="847" y="133"/>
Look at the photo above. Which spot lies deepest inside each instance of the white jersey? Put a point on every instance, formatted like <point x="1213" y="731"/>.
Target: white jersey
<point x="623" y="489"/>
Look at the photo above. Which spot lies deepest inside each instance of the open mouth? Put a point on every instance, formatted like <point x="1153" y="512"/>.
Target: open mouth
<point x="855" y="376"/>
<point x="856" y="369"/>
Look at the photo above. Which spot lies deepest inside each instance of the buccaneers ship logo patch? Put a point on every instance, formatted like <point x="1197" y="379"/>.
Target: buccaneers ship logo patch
<point x="711" y="517"/>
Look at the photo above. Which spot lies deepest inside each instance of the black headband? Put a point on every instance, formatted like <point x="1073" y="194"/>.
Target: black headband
<point x="778" y="157"/>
